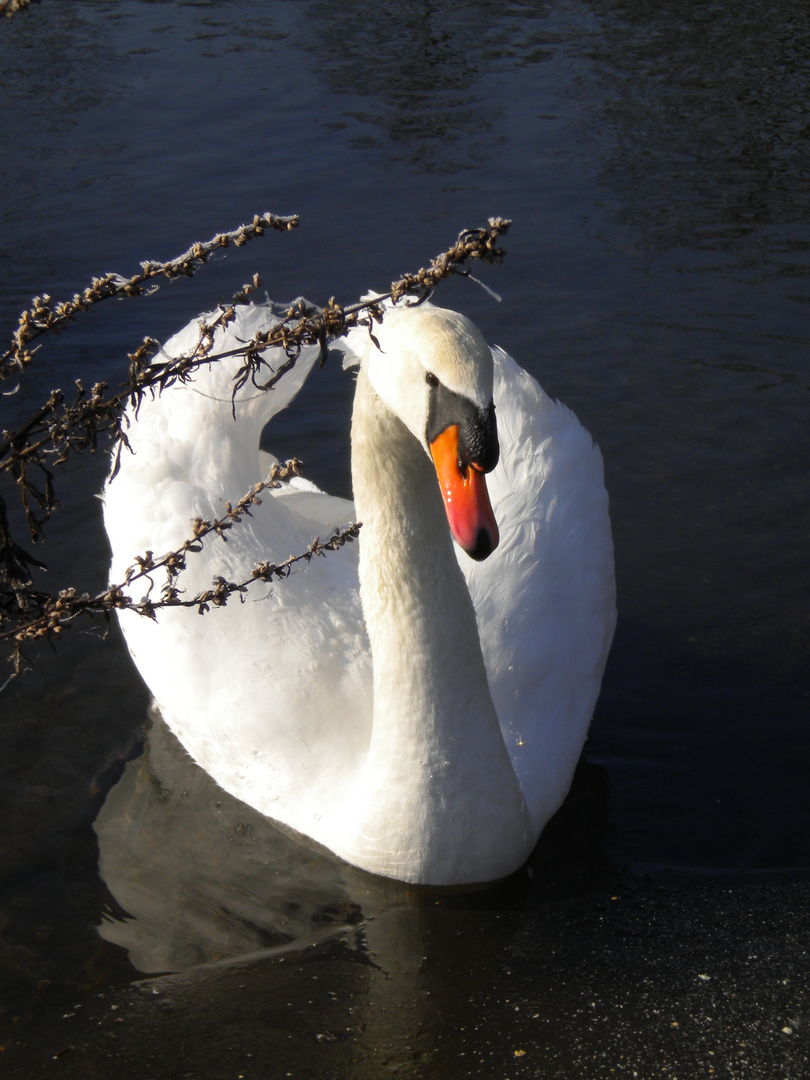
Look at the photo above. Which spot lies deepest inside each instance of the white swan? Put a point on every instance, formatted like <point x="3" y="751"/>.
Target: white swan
<point x="440" y="761"/>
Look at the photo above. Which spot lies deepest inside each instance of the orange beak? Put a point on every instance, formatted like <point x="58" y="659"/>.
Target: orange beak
<point x="466" y="500"/>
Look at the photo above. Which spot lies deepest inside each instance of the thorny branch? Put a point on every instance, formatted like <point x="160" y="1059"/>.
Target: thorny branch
<point x="47" y="438"/>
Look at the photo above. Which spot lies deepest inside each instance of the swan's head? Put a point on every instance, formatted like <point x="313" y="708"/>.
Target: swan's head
<point x="434" y="370"/>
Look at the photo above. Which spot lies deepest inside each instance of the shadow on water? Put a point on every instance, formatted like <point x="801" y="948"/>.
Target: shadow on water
<point x="707" y="759"/>
<point x="197" y="877"/>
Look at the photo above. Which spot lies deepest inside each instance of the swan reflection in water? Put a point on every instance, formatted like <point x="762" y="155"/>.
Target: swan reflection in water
<point x="197" y="877"/>
<point x="399" y="976"/>
<point x="200" y="880"/>
<point x="201" y="877"/>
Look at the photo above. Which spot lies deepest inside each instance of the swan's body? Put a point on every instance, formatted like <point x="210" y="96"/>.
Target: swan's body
<point x="442" y="761"/>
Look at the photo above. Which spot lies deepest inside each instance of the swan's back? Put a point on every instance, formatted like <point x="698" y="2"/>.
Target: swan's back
<point x="545" y="599"/>
<point x="272" y="693"/>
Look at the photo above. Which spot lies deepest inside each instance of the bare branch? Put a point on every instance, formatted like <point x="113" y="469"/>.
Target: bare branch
<point x="60" y="427"/>
<point x="54" y="613"/>
<point x="43" y="317"/>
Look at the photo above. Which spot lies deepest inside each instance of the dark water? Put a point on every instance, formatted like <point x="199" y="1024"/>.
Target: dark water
<point x="655" y="160"/>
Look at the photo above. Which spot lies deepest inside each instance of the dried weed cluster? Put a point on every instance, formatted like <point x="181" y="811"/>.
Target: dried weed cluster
<point x="11" y="7"/>
<point x="29" y="454"/>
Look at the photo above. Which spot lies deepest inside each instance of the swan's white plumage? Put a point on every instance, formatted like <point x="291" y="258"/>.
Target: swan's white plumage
<point x="273" y="696"/>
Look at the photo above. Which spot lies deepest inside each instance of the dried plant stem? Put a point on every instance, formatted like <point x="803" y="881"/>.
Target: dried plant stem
<point x="10" y="7"/>
<point x="58" y="611"/>
<point x="59" y="427"/>
<point x="43" y="317"/>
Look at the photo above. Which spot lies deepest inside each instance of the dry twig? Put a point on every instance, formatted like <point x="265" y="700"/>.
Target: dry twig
<point x="47" y="438"/>
<point x="11" y="7"/>
<point x="57" y="611"/>
<point x="43" y="317"/>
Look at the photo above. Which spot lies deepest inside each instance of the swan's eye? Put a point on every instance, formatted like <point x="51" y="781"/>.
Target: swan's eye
<point x="431" y="379"/>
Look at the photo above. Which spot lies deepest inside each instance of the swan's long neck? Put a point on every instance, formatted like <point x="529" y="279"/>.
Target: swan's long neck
<point x="436" y="754"/>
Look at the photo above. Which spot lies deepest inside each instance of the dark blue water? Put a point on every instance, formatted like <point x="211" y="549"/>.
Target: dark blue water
<point x="655" y="161"/>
